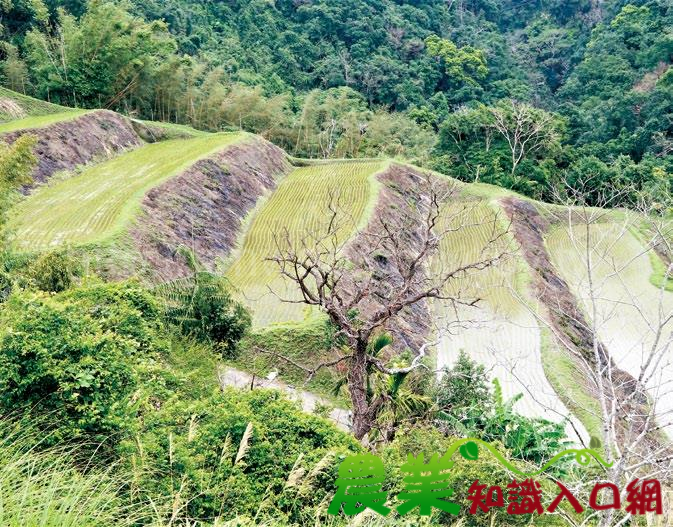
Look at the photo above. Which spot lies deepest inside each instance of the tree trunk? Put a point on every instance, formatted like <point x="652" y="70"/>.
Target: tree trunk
<point x="357" y="387"/>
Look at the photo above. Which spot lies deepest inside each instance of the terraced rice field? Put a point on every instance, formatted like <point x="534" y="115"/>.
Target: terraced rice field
<point x="501" y="333"/>
<point x="99" y="202"/>
<point x="300" y="206"/>
<point x="39" y="121"/>
<point x="629" y="307"/>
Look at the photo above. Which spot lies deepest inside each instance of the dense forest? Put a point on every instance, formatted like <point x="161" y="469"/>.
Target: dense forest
<point x="532" y="96"/>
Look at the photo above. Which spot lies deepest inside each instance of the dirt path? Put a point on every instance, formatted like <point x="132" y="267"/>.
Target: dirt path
<point x="240" y="379"/>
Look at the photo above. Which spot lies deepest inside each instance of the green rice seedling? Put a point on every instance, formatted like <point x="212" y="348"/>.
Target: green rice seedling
<point x="101" y="201"/>
<point x="299" y="208"/>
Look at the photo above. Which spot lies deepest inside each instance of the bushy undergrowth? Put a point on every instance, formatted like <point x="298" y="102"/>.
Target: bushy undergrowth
<point x="201" y="306"/>
<point x="120" y="416"/>
<point x="119" y="419"/>
<point x="79" y="356"/>
<point x="469" y="407"/>
<point x="232" y="453"/>
<point x="489" y="471"/>
<point x="55" y="271"/>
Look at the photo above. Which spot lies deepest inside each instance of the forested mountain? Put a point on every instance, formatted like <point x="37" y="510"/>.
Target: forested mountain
<point x="427" y="81"/>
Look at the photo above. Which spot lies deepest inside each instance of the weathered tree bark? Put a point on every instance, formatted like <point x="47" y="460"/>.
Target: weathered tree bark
<point x="357" y="387"/>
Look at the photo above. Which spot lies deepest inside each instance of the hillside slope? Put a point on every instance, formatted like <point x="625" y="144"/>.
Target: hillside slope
<point x="231" y="197"/>
<point x="95" y="204"/>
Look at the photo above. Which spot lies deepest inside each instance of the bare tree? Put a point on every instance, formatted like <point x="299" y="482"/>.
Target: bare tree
<point x="632" y="384"/>
<point x="366" y="285"/>
<point x="526" y="129"/>
<point x="663" y="144"/>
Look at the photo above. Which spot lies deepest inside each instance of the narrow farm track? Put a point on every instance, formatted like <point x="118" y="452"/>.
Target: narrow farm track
<point x="99" y="202"/>
<point x="628" y="305"/>
<point x="501" y="333"/>
<point x="298" y="207"/>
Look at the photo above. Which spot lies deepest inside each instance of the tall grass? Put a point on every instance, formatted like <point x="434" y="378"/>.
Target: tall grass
<point x="52" y="488"/>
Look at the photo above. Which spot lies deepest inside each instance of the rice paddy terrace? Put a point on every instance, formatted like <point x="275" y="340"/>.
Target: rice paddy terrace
<point x="100" y="201"/>
<point x="179" y="189"/>
<point x="502" y="334"/>
<point x="629" y="310"/>
<point x="297" y="208"/>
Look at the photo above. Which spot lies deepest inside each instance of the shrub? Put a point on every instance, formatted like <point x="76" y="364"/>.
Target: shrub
<point x="76" y="356"/>
<point x="202" y="307"/>
<point x="5" y="286"/>
<point x="233" y="453"/>
<point x="469" y="407"/>
<point x="55" y="271"/>
<point x="488" y="470"/>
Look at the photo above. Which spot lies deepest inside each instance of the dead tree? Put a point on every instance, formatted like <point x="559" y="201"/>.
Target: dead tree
<point x="526" y="129"/>
<point x="363" y="286"/>
<point x="634" y="390"/>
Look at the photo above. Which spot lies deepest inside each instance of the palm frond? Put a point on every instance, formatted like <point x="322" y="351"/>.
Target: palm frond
<point x="380" y="341"/>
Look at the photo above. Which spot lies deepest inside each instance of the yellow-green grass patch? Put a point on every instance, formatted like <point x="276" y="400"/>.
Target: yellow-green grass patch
<point x="300" y="207"/>
<point x="101" y="201"/>
<point x="173" y="130"/>
<point x="644" y="231"/>
<point x="569" y="381"/>
<point x="40" y="121"/>
<point x="10" y="101"/>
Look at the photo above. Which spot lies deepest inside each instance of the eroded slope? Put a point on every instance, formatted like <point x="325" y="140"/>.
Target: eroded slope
<point x="203" y="208"/>
<point x="73" y="138"/>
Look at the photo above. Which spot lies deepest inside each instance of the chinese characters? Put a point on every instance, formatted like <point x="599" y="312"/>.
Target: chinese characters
<point x="427" y="487"/>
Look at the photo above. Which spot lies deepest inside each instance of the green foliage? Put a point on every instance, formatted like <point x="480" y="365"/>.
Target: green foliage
<point x="55" y="271"/>
<point x="76" y="356"/>
<point x="465" y="65"/>
<point x="16" y="165"/>
<point x="468" y="407"/>
<point x="104" y="56"/>
<point x="5" y="286"/>
<point x="510" y="144"/>
<point x="620" y="182"/>
<point x="485" y="468"/>
<point x="201" y="306"/>
<point x="49" y="487"/>
<point x="317" y="78"/>
<point x="463" y="393"/>
<point x="238" y="453"/>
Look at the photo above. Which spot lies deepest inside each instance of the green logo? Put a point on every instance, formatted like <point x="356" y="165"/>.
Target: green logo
<point x="361" y="478"/>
